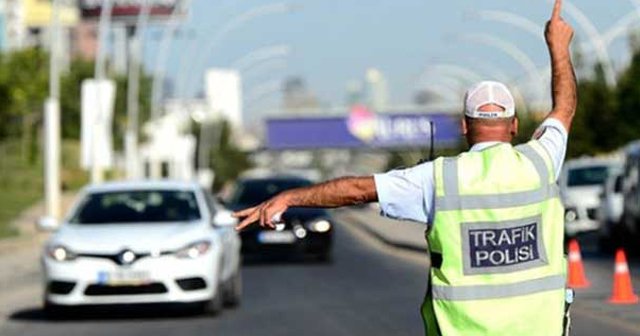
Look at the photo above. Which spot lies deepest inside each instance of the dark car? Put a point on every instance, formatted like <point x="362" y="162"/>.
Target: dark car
<point x="303" y="231"/>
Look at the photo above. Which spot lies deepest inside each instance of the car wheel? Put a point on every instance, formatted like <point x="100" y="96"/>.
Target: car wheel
<point x="54" y="311"/>
<point x="233" y="292"/>
<point x="215" y="305"/>
<point x="325" y="257"/>
<point x="606" y="244"/>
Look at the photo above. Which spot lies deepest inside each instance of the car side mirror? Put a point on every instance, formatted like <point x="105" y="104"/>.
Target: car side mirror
<point x="48" y="224"/>
<point x="220" y="199"/>
<point x="224" y="218"/>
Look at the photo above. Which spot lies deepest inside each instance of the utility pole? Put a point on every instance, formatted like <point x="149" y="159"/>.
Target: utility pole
<point x="52" y="122"/>
<point x="100" y="75"/>
<point x="133" y="100"/>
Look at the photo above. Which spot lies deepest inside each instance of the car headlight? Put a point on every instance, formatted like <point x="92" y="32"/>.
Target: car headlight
<point x="193" y="250"/>
<point x="321" y="226"/>
<point x="60" y="253"/>
<point x="570" y="215"/>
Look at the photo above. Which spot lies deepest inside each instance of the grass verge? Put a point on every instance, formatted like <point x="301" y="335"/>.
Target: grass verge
<point x="21" y="179"/>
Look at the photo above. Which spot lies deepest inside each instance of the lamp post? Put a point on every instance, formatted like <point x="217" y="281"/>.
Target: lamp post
<point x="163" y="55"/>
<point x="104" y="26"/>
<point x="189" y="66"/>
<point x="52" y="123"/>
<point x="133" y="100"/>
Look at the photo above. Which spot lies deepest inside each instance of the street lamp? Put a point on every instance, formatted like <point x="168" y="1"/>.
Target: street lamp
<point x="133" y="100"/>
<point x="52" y="125"/>
<point x="595" y="38"/>
<point x="260" y="55"/>
<point x="516" y="54"/>
<point x="189" y="66"/>
<point x="163" y="55"/>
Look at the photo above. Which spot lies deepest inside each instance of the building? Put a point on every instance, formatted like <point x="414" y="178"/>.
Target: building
<point x="355" y="93"/>
<point x="27" y="24"/>
<point x="224" y="96"/>
<point x="297" y="96"/>
<point x="376" y="90"/>
<point x="84" y="40"/>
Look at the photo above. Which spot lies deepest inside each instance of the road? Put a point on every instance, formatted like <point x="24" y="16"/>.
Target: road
<point x="369" y="289"/>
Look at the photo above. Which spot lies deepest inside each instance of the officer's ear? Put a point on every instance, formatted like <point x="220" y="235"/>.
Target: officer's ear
<point x="514" y="127"/>
<point x="463" y="126"/>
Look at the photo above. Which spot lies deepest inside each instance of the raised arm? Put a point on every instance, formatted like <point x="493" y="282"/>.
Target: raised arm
<point x="563" y="79"/>
<point x="332" y="194"/>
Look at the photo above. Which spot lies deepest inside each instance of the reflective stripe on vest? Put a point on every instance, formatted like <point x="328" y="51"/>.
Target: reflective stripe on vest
<point x="483" y="292"/>
<point x="452" y="200"/>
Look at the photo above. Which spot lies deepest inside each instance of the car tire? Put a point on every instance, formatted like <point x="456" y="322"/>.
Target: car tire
<point x="54" y="311"/>
<point x="215" y="305"/>
<point x="233" y="292"/>
<point x="325" y="257"/>
<point x="606" y="244"/>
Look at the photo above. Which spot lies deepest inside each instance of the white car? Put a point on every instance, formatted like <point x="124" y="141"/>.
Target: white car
<point x="144" y="242"/>
<point x="581" y="184"/>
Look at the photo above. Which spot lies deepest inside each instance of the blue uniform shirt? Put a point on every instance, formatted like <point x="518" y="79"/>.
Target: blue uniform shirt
<point x="408" y="194"/>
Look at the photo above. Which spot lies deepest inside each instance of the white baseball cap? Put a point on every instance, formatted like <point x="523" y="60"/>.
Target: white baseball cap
<point x="485" y="93"/>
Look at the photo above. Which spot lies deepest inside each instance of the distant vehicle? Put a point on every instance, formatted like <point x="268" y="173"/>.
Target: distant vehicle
<point x="581" y="184"/>
<point x="629" y="228"/>
<point x="144" y="242"/>
<point x="610" y="210"/>
<point x="304" y="231"/>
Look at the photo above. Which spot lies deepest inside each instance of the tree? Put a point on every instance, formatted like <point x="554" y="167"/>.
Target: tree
<point x="227" y="160"/>
<point x="71" y="84"/>
<point x="628" y="95"/>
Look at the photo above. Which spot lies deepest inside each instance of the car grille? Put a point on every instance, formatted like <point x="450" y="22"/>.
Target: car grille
<point x="60" y="287"/>
<point x="191" y="284"/>
<point x="102" y="290"/>
<point x="592" y="213"/>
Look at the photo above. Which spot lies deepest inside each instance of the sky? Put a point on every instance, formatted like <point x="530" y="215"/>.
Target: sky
<point x="335" y="41"/>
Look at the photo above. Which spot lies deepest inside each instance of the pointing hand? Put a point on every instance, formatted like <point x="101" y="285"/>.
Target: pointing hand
<point x="267" y="213"/>
<point x="558" y="33"/>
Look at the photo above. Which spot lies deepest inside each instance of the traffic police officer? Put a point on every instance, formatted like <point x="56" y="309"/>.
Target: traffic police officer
<point x="495" y="219"/>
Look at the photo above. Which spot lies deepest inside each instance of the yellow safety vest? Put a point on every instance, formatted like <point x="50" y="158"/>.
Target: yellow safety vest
<point x="496" y="245"/>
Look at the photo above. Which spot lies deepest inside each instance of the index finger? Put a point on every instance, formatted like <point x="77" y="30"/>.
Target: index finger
<point x="248" y="221"/>
<point x="244" y="213"/>
<point x="557" y="9"/>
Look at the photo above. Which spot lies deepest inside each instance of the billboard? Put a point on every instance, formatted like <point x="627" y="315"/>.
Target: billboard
<point x="37" y="13"/>
<point x="364" y="129"/>
<point x="128" y="10"/>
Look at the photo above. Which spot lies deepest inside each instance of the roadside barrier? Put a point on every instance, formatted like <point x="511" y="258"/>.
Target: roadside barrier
<point x="577" y="277"/>
<point x="622" y="287"/>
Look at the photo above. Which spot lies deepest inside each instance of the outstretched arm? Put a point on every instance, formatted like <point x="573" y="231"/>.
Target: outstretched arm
<point x="332" y="194"/>
<point x="558" y="35"/>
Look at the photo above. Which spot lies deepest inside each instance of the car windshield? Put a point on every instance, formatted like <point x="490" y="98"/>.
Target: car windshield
<point x="139" y="206"/>
<point x="587" y="176"/>
<point x="252" y="192"/>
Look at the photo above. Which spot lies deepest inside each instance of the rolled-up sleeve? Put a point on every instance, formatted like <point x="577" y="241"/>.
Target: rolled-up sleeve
<point x="407" y="194"/>
<point x="553" y="137"/>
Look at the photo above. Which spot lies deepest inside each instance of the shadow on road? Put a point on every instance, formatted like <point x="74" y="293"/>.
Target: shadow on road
<point x="267" y="260"/>
<point x="110" y="312"/>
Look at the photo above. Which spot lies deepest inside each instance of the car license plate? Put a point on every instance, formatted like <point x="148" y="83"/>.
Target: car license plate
<point x="124" y="277"/>
<point x="276" y="237"/>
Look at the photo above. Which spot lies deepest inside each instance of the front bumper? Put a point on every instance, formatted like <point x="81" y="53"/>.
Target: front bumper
<point x="167" y="279"/>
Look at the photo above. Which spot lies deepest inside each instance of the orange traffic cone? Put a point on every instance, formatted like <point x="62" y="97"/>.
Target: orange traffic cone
<point x="577" y="278"/>
<point x="622" y="288"/>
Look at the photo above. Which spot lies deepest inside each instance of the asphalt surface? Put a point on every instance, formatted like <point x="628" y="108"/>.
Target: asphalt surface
<point x="369" y="289"/>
